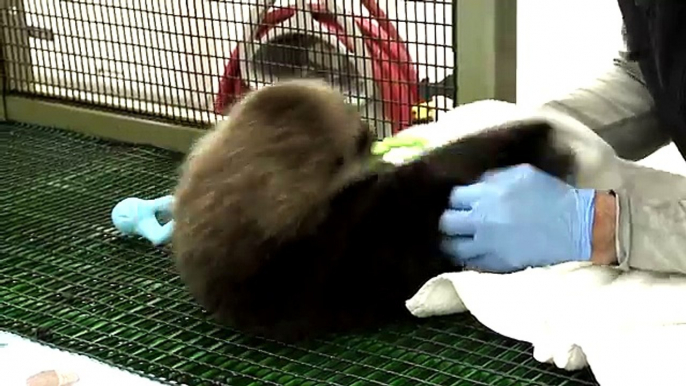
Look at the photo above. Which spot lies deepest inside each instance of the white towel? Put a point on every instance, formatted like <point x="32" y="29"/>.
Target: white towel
<point x="22" y="359"/>
<point x="629" y="327"/>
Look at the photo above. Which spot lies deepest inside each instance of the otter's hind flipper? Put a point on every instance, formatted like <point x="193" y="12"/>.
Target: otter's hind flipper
<point x="527" y="142"/>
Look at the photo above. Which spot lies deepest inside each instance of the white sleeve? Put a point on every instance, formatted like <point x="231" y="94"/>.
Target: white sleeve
<point x="619" y="108"/>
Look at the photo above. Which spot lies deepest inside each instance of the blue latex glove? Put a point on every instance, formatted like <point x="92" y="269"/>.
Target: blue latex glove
<point x="516" y="218"/>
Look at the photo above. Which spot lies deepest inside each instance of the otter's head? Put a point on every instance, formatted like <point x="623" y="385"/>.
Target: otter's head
<point x="288" y="147"/>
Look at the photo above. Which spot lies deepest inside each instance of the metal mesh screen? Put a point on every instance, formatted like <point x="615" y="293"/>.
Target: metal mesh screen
<point x="188" y="60"/>
<point x="68" y="279"/>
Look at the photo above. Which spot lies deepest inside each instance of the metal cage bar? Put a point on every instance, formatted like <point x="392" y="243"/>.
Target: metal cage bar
<point x="18" y="68"/>
<point x="76" y="284"/>
<point x="484" y="47"/>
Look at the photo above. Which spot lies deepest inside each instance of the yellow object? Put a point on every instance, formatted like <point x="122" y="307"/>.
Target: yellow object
<point x="423" y="112"/>
<point x="387" y="144"/>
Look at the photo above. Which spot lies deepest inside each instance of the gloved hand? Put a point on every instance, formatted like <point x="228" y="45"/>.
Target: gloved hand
<point x="518" y="217"/>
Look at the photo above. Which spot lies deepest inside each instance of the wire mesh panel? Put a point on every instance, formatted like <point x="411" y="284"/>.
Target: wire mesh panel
<point x="68" y="279"/>
<point x="188" y="60"/>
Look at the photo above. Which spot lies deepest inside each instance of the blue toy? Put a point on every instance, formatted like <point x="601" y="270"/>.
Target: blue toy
<point x="137" y="217"/>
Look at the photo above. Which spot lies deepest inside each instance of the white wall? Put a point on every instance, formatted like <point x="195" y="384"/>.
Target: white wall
<point x="564" y="43"/>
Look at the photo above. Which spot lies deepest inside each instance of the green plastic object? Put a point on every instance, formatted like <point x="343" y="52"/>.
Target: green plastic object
<point x="68" y="280"/>
<point x="387" y="144"/>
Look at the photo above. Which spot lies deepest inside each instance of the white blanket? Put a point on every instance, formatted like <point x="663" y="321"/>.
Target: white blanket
<point x="629" y="327"/>
<point x="23" y="362"/>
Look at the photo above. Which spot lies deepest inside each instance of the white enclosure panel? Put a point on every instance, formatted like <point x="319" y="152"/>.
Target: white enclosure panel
<point x="167" y="56"/>
<point x="565" y="44"/>
<point x="149" y="51"/>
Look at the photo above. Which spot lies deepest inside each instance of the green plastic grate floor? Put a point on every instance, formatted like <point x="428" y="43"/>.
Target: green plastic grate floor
<point x="68" y="280"/>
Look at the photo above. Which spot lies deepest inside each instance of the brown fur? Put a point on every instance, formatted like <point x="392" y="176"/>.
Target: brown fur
<point x="281" y="229"/>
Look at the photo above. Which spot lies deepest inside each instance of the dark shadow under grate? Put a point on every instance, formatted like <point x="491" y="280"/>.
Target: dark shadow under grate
<point x="68" y="280"/>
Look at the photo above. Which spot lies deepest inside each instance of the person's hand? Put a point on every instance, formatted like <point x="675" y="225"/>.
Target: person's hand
<point x="515" y="218"/>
